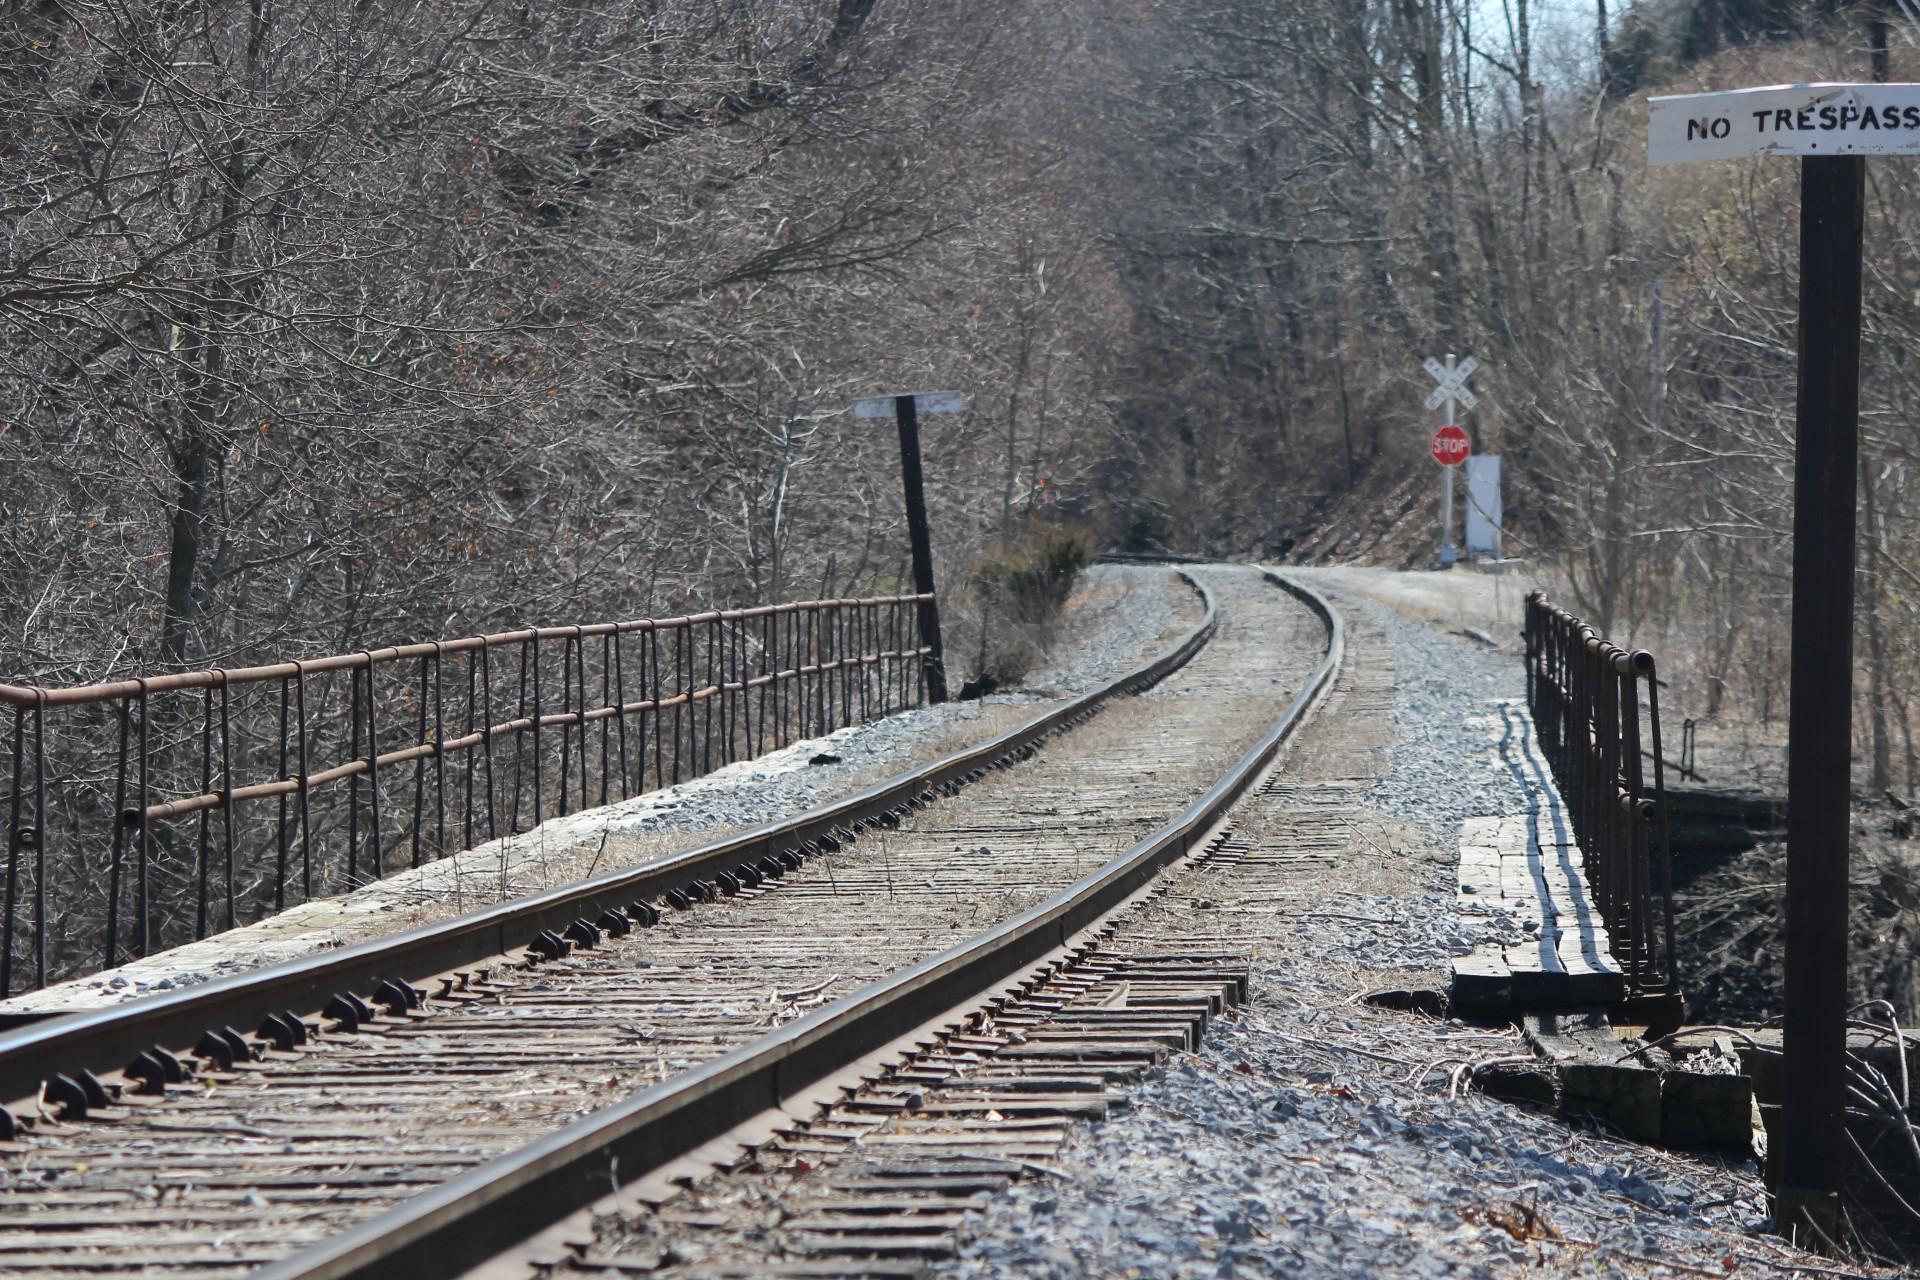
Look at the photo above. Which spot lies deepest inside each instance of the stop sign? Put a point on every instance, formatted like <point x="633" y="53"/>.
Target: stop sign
<point x="1450" y="446"/>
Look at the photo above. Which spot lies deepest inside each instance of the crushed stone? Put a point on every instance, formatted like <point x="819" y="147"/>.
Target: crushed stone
<point x="1315" y="1135"/>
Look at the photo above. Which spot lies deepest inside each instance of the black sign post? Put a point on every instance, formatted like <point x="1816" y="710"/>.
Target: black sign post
<point x="1812" y="1165"/>
<point x="908" y="416"/>
<point x="1832" y="128"/>
<point x="906" y="411"/>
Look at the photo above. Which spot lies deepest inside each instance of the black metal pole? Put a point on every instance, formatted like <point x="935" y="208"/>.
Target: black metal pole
<point x="1813" y="1137"/>
<point x="934" y="665"/>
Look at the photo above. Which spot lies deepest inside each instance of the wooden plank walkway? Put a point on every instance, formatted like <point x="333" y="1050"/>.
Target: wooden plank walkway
<point x="1527" y="867"/>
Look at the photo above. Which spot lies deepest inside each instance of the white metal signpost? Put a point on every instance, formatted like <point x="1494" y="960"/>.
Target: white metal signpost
<point x="906" y="410"/>
<point x="1452" y="390"/>
<point x="1832" y="127"/>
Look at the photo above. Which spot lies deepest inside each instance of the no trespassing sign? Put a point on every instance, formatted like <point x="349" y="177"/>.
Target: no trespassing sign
<point x="1786" y="120"/>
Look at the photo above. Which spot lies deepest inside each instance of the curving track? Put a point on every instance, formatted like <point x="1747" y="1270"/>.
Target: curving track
<point x="363" y="1150"/>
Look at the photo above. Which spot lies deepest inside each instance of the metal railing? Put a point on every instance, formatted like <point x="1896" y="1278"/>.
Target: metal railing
<point x="148" y="812"/>
<point x="1594" y="704"/>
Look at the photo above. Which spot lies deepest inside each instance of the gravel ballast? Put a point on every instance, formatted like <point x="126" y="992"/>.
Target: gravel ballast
<point x="1317" y="1135"/>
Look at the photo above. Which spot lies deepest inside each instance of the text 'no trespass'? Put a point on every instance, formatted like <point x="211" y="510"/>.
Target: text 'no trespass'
<point x="1790" y="120"/>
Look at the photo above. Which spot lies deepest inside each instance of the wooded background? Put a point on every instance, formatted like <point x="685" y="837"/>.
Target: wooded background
<point x="326" y="324"/>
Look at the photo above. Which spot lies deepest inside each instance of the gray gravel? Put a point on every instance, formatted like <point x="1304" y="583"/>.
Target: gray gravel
<point x="1444" y="694"/>
<point x="1441" y="687"/>
<point x="1265" y="1155"/>
<point x="1416" y="934"/>
<point x="1314" y="1135"/>
<point x="1130" y="607"/>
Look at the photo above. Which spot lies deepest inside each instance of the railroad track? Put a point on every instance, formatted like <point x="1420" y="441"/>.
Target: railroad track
<point x="432" y="1100"/>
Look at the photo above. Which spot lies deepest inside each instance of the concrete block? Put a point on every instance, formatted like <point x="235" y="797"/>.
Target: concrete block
<point x="1625" y="1099"/>
<point x="1705" y="1110"/>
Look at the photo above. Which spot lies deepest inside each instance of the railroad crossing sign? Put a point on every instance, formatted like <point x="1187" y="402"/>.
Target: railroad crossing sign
<point x="1832" y="128"/>
<point x="1450" y="446"/>
<point x="1453" y="382"/>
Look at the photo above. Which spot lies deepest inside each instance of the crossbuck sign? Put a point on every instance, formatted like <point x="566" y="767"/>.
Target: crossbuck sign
<point x="1449" y="440"/>
<point x="1453" y="382"/>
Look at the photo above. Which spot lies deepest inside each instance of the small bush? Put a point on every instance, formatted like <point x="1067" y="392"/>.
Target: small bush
<point x="1021" y="589"/>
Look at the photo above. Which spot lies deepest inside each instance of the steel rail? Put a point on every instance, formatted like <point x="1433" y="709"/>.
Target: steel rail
<point x="107" y="1039"/>
<point x="446" y="1231"/>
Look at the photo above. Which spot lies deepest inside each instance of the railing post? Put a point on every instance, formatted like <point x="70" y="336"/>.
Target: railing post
<point x="539" y="760"/>
<point x="471" y="764"/>
<point x="13" y="852"/>
<point x="280" y="807"/>
<point x="205" y="818"/>
<point x="112" y="948"/>
<point x="1670" y="960"/>
<point x="486" y="731"/>
<point x="373" y="773"/>
<point x="580" y="708"/>
<point x="226" y="791"/>
<point x="616" y="674"/>
<point x="143" y="895"/>
<point x="353" y="783"/>
<point x="680" y="661"/>
<point x="439" y="750"/>
<point x="566" y="709"/>
<point x="306" y="813"/>
<point x="713" y="700"/>
<point x="420" y="739"/>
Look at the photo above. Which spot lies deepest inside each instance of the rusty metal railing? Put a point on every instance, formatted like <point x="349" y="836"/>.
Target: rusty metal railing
<point x="151" y="811"/>
<point x="1594" y="704"/>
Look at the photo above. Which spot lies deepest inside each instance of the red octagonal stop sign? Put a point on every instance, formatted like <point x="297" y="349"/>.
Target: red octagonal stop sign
<point x="1450" y="446"/>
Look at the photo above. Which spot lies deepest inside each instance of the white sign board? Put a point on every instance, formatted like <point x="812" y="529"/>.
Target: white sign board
<point x="924" y="402"/>
<point x="1785" y="120"/>
<point x="1483" y="504"/>
<point x="1453" y="382"/>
